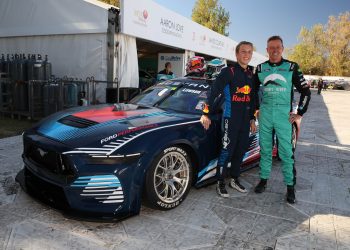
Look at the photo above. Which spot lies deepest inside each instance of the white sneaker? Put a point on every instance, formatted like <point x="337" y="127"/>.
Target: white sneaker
<point x="235" y="184"/>
<point x="221" y="189"/>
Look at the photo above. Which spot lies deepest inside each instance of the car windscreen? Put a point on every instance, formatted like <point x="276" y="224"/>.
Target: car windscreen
<point x="151" y="96"/>
<point x="186" y="100"/>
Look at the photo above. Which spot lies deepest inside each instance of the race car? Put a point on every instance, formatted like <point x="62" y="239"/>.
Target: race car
<point x="103" y="161"/>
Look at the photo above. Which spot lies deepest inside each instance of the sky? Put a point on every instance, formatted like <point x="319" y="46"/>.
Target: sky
<point x="256" y="20"/>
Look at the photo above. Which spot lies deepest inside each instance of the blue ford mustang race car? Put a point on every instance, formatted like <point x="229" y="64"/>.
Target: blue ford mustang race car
<point x="101" y="161"/>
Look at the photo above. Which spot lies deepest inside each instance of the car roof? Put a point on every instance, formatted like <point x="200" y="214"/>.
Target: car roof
<point x="200" y="83"/>
<point x="193" y="82"/>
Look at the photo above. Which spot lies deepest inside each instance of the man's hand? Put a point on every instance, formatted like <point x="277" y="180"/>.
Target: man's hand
<point x="294" y="117"/>
<point x="205" y="121"/>
<point x="252" y="126"/>
<point x="257" y="113"/>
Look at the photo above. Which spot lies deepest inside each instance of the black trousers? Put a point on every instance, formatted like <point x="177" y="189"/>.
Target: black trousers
<point x="235" y="139"/>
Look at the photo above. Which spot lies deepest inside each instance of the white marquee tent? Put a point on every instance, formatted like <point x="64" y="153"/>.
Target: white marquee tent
<point x="74" y="34"/>
<point x="81" y="37"/>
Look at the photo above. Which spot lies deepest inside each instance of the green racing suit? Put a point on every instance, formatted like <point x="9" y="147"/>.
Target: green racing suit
<point x="276" y="81"/>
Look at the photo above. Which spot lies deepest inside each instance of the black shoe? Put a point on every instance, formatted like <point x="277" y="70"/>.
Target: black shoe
<point x="235" y="184"/>
<point x="221" y="189"/>
<point x="290" y="194"/>
<point x="261" y="186"/>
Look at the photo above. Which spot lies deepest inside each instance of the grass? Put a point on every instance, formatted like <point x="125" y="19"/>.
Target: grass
<point x="11" y="127"/>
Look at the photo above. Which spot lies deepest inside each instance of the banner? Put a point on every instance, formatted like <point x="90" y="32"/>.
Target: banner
<point x="177" y="62"/>
<point x="151" y="21"/>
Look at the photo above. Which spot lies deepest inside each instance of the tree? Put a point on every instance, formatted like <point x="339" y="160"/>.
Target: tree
<point x="212" y="15"/>
<point x="338" y="34"/>
<point x="310" y="53"/>
<point x="324" y="49"/>
<point x="112" y="2"/>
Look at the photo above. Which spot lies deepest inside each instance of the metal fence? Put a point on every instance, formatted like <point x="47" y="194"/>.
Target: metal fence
<point x="36" y="99"/>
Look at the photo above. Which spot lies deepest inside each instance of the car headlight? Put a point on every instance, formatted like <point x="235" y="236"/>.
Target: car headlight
<point x="111" y="159"/>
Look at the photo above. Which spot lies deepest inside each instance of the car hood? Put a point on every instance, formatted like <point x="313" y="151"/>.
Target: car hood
<point x="100" y="124"/>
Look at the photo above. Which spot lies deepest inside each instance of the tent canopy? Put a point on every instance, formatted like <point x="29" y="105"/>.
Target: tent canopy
<point x="52" y="17"/>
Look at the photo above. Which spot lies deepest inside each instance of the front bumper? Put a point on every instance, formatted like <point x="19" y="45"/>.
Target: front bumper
<point x="92" y="192"/>
<point x="70" y="200"/>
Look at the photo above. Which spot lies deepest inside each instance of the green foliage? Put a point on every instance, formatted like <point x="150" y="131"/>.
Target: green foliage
<point x="112" y="2"/>
<point x="212" y="15"/>
<point x="338" y="45"/>
<point x="324" y="49"/>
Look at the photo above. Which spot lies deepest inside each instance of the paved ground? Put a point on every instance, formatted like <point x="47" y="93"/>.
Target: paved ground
<point x="319" y="220"/>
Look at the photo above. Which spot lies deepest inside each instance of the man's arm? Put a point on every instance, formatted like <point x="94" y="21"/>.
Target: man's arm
<point x="256" y="89"/>
<point x="301" y="85"/>
<point x="216" y="89"/>
<point x="252" y="96"/>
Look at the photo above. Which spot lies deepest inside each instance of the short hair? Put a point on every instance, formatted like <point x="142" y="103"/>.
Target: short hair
<point x="274" y="38"/>
<point x="243" y="43"/>
<point x="167" y="64"/>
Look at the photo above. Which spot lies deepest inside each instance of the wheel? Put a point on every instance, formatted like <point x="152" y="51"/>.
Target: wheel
<point x="169" y="179"/>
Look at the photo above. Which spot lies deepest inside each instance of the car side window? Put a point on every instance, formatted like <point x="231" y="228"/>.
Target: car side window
<point x="151" y="96"/>
<point x="186" y="100"/>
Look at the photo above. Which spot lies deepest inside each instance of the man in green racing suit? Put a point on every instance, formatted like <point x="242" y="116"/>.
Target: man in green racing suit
<point x="277" y="77"/>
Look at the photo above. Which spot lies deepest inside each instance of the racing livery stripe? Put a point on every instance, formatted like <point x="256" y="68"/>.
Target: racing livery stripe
<point x="104" y="188"/>
<point x="151" y="130"/>
<point x="58" y="131"/>
<point x="212" y="164"/>
<point x="96" y="176"/>
<point x="113" y="147"/>
<point x="96" y="185"/>
<point x="105" y="114"/>
<point x="210" y="174"/>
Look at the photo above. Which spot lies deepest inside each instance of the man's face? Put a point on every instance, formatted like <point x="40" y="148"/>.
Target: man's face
<point x="275" y="50"/>
<point x="244" y="54"/>
<point x="169" y="67"/>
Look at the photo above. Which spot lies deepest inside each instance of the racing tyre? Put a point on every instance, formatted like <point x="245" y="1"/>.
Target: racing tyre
<point x="169" y="179"/>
